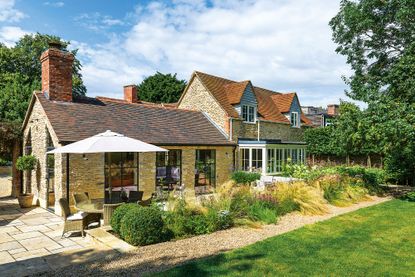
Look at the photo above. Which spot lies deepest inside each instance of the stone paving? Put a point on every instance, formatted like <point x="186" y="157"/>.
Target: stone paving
<point x="33" y="232"/>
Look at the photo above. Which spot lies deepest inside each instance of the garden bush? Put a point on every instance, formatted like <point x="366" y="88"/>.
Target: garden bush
<point x="299" y="196"/>
<point x="242" y="177"/>
<point x="410" y="196"/>
<point x="143" y="226"/>
<point x="118" y="215"/>
<point x="263" y="211"/>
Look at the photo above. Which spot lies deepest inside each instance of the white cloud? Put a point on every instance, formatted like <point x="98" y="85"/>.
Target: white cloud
<point x="278" y="44"/>
<point x="59" y="4"/>
<point x="8" y="13"/>
<point x="96" y="21"/>
<point x="9" y="35"/>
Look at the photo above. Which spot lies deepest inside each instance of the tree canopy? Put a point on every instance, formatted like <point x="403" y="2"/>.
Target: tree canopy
<point x="378" y="39"/>
<point x="20" y="75"/>
<point x="161" y="88"/>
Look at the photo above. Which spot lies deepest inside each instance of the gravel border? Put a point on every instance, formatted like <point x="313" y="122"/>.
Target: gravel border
<point x="162" y="256"/>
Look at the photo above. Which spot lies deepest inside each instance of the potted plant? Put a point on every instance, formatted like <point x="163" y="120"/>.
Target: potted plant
<point x="26" y="164"/>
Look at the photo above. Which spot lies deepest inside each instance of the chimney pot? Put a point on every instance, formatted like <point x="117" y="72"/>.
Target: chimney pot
<point x="130" y="94"/>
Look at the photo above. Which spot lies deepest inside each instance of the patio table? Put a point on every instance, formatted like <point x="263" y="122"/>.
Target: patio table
<point x="96" y="206"/>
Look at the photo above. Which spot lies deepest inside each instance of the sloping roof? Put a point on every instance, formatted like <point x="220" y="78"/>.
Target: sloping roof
<point x="271" y="104"/>
<point x="73" y="121"/>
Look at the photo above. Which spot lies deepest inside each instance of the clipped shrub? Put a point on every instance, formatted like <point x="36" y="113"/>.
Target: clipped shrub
<point x="118" y="215"/>
<point x="301" y="197"/>
<point x="242" y="177"/>
<point x="143" y="226"/>
<point x="27" y="162"/>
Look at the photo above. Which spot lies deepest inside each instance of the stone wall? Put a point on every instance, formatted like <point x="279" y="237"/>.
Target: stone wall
<point x="267" y="130"/>
<point x="199" y="99"/>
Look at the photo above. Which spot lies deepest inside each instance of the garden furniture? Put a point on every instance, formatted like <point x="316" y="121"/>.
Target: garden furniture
<point x="135" y="196"/>
<point x="109" y="211"/>
<point x="73" y="222"/>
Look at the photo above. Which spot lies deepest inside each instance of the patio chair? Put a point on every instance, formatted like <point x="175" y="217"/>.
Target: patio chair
<point x="135" y="196"/>
<point x="109" y="211"/>
<point x="73" y="222"/>
<point x="81" y="197"/>
<point x="116" y="197"/>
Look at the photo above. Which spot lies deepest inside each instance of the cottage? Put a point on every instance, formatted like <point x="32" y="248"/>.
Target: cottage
<point x="218" y="125"/>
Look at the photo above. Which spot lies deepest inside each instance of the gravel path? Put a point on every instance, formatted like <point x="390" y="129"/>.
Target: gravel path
<point x="159" y="257"/>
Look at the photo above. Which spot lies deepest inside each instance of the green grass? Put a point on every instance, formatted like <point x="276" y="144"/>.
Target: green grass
<point x="375" y="241"/>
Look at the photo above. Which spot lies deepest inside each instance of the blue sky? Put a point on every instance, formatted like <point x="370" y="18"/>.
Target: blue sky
<point x="282" y="45"/>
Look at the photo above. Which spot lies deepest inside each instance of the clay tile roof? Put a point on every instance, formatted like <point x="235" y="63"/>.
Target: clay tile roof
<point x="235" y="91"/>
<point x="283" y="101"/>
<point x="154" y="124"/>
<point x="219" y="88"/>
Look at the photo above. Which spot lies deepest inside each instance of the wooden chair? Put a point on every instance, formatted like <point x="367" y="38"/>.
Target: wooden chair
<point x="73" y="222"/>
<point x="135" y="196"/>
<point x="109" y="211"/>
<point x="115" y="197"/>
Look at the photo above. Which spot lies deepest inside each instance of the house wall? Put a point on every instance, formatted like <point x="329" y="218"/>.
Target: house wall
<point x="267" y="130"/>
<point x="199" y="99"/>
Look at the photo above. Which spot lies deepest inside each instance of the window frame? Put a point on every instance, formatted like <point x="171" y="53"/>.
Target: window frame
<point x="248" y="112"/>
<point x="212" y="165"/>
<point x="295" y="123"/>
<point x="166" y="164"/>
<point x="108" y="167"/>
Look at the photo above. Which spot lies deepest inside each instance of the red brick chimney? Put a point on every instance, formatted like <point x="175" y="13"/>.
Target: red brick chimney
<point x="333" y="109"/>
<point x="57" y="73"/>
<point x="130" y="94"/>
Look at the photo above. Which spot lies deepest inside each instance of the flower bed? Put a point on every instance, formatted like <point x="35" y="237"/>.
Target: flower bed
<point x="234" y="205"/>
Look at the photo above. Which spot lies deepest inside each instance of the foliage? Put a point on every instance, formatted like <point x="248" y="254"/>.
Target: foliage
<point x="243" y="177"/>
<point x="27" y="162"/>
<point x="299" y="196"/>
<point x="361" y="243"/>
<point x="410" y="196"/>
<point x="118" y="215"/>
<point x="377" y="39"/>
<point x="3" y="162"/>
<point x="263" y="211"/>
<point x="341" y="190"/>
<point x="143" y="226"/>
<point x="10" y="135"/>
<point x="295" y="170"/>
<point x="161" y="88"/>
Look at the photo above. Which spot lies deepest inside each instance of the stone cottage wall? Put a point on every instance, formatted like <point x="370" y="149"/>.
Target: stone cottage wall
<point x="197" y="98"/>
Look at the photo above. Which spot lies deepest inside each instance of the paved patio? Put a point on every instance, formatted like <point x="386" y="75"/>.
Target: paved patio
<point x="29" y="234"/>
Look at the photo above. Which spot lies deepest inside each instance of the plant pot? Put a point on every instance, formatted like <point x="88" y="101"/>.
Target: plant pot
<point x="25" y="200"/>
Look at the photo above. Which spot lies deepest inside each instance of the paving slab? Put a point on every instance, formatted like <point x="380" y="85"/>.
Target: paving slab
<point x="27" y="235"/>
<point x="5" y="238"/>
<point x="38" y="242"/>
<point x="25" y="228"/>
<point x="8" y="229"/>
<point x="18" y="250"/>
<point x="31" y="254"/>
<point x="5" y="257"/>
<point x="9" y="245"/>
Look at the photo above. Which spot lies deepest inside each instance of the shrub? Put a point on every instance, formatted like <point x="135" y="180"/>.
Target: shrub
<point x="118" y="215"/>
<point x="183" y="221"/>
<point x="240" y="202"/>
<point x="218" y="220"/>
<point x="143" y="226"/>
<point x="27" y="162"/>
<point x="4" y="162"/>
<point x="290" y="169"/>
<point x="242" y="177"/>
<point x="410" y="196"/>
<point x="301" y="197"/>
<point x="263" y="211"/>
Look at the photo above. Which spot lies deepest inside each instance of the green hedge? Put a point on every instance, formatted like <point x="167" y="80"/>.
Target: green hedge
<point x="118" y="215"/>
<point x="143" y="226"/>
<point x="242" y="177"/>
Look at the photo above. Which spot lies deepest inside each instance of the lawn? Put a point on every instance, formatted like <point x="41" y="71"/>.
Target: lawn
<point x="375" y="241"/>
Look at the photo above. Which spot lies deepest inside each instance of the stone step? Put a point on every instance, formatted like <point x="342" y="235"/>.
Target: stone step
<point x="103" y="236"/>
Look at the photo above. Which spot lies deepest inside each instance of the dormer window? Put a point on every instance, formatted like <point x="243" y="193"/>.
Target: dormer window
<point x="249" y="113"/>
<point x="294" y="119"/>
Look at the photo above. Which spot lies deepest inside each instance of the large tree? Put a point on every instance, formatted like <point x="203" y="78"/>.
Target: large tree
<point x="20" y="75"/>
<point x="161" y="88"/>
<point x="378" y="39"/>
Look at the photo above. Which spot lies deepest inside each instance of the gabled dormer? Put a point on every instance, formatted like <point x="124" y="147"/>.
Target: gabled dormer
<point x="289" y="106"/>
<point x="242" y="97"/>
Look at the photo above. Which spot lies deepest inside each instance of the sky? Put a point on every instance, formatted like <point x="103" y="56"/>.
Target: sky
<point x="282" y="45"/>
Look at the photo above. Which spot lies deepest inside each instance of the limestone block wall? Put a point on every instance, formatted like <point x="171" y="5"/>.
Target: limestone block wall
<point x="198" y="98"/>
<point x="147" y="173"/>
<point x="267" y="130"/>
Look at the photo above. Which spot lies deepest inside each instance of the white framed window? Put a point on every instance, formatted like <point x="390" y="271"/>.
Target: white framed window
<point x="294" y="119"/>
<point x="249" y="113"/>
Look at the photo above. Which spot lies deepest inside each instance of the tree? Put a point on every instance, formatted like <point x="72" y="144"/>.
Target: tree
<point x="20" y="75"/>
<point x="161" y="88"/>
<point x="377" y="37"/>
